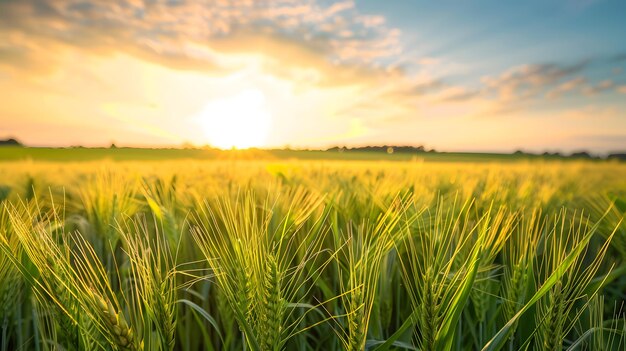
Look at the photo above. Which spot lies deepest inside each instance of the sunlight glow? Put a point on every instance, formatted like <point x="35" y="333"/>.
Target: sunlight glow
<point x="240" y="121"/>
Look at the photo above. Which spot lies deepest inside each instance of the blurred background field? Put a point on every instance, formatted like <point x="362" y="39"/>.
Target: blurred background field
<point x="13" y="153"/>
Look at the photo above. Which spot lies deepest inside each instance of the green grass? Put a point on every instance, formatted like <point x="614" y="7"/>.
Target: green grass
<point x="256" y="252"/>
<point x="10" y="153"/>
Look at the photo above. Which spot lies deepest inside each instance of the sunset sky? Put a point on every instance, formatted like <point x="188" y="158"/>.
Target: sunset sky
<point x="451" y="75"/>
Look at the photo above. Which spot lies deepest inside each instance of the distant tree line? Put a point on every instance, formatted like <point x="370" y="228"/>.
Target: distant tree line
<point x="421" y="149"/>
<point x="577" y="154"/>
<point x="401" y="149"/>
<point x="619" y="156"/>
<point x="383" y="148"/>
<point x="10" y="142"/>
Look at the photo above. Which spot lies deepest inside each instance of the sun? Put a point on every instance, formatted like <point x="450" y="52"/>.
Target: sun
<point x="239" y="121"/>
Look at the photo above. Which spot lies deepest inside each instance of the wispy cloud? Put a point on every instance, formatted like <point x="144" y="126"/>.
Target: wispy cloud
<point x="336" y="39"/>
<point x="529" y="80"/>
<point x="575" y="84"/>
<point x="605" y="85"/>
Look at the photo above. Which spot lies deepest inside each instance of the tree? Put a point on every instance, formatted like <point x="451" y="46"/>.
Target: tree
<point x="10" y="142"/>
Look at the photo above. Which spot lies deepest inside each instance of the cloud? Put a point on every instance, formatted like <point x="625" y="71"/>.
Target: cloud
<point x="416" y="88"/>
<point x="460" y="94"/>
<point x="527" y="81"/>
<point x="542" y="84"/>
<point x="571" y="85"/>
<point x="339" y="7"/>
<point x="336" y="39"/>
<point x="605" y="85"/>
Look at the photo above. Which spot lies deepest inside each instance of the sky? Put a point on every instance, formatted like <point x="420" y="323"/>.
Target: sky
<point x="450" y="75"/>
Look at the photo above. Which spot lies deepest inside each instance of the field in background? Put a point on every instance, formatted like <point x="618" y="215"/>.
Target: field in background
<point x="9" y="153"/>
<point x="180" y="253"/>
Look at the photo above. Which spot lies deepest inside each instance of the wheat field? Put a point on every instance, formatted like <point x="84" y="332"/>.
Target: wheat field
<point x="312" y="255"/>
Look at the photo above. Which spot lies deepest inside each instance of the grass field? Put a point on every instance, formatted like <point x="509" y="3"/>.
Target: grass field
<point x="138" y="154"/>
<point x="122" y="249"/>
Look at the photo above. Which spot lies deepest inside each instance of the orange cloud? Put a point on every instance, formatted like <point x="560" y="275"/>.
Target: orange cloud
<point x="336" y="40"/>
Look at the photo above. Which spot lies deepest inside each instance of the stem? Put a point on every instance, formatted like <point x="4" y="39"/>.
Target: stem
<point x="35" y="328"/>
<point x="5" y="339"/>
<point x="459" y="335"/>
